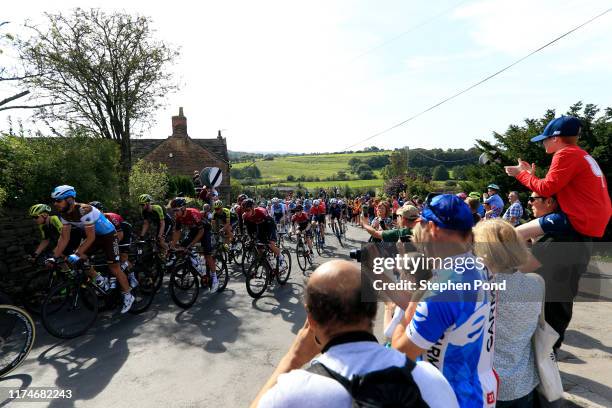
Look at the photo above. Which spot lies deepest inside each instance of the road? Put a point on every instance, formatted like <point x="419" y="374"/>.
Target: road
<point x="222" y="350"/>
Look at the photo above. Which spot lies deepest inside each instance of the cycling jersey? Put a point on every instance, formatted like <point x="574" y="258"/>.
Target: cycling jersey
<point x="257" y="216"/>
<point x="82" y="215"/>
<point x="278" y="209"/>
<point x="116" y="219"/>
<point x="156" y="215"/>
<point x="335" y="212"/>
<point x="320" y="209"/>
<point x="300" y="218"/>
<point x="457" y="328"/>
<point x="192" y="218"/>
<point x="52" y="230"/>
<point x="223" y="217"/>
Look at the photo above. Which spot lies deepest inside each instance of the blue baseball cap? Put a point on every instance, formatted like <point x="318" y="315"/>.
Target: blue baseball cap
<point x="563" y="126"/>
<point x="448" y="211"/>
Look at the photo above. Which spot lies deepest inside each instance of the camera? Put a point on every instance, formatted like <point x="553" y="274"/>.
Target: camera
<point x="355" y="254"/>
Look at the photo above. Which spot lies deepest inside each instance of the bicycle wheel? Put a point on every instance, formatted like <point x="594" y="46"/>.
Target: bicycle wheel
<point x="300" y="253"/>
<point x="69" y="310"/>
<point x="184" y="286"/>
<point x="144" y="292"/>
<point x="222" y="272"/>
<point x="317" y="242"/>
<point x="248" y="256"/>
<point x="237" y="252"/>
<point x="257" y="278"/>
<point x="338" y="232"/>
<point x="158" y="270"/>
<point x="36" y="289"/>
<point x="283" y="273"/>
<point x="17" y="334"/>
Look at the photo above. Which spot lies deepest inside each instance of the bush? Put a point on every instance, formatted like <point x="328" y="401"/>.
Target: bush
<point x="30" y="168"/>
<point x="394" y="186"/>
<point x="148" y="178"/>
<point x="450" y="183"/>
<point x="291" y="177"/>
<point x="3" y="196"/>
<point x="366" y="175"/>
<point x="181" y="185"/>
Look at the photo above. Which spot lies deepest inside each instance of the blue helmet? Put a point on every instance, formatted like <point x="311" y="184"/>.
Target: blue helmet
<point x="63" y="192"/>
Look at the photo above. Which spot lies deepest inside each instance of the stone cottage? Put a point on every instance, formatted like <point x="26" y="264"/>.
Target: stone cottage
<point x="183" y="154"/>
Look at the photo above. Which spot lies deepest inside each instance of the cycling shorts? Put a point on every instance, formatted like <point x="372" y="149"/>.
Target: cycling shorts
<point x="320" y="218"/>
<point x="108" y="244"/>
<point x="266" y="231"/>
<point x="205" y="242"/>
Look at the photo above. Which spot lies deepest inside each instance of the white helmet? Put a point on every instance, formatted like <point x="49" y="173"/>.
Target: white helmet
<point x="316" y="203"/>
<point x="333" y="201"/>
<point x="340" y="202"/>
<point x="63" y="192"/>
<point x="275" y="200"/>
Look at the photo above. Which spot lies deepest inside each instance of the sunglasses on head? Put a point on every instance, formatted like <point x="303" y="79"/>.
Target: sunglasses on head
<point x="532" y="199"/>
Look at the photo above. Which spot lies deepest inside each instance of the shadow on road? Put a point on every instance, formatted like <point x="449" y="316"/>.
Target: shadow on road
<point x="584" y="341"/>
<point x="590" y="385"/>
<point x="10" y="381"/>
<point x="285" y="301"/>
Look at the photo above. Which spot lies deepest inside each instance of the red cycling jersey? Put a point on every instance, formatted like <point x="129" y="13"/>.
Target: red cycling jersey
<point x="257" y="216"/>
<point x="580" y="186"/>
<point x="317" y="210"/>
<point x="300" y="218"/>
<point x="191" y="219"/>
<point x="116" y="219"/>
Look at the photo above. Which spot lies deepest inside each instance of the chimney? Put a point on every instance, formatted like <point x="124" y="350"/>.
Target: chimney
<point x="179" y="125"/>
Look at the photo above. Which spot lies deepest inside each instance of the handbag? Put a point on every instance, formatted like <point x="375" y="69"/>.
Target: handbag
<point x="543" y="339"/>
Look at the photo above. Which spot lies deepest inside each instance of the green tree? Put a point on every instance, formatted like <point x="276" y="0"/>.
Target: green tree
<point x="149" y="178"/>
<point x="440" y="173"/>
<point x="398" y="165"/>
<point x="105" y="73"/>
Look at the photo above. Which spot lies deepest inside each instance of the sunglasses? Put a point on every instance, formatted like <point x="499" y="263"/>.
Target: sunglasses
<point x="58" y="200"/>
<point x="532" y="199"/>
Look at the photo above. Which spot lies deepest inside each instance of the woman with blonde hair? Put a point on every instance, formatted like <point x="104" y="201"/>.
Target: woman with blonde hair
<point x="501" y="249"/>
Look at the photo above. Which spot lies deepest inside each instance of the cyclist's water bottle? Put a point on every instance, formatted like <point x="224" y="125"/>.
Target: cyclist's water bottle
<point x="74" y="258"/>
<point x="112" y="283"/>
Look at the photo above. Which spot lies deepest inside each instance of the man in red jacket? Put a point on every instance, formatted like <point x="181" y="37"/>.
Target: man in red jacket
<point x="574" y="178"/>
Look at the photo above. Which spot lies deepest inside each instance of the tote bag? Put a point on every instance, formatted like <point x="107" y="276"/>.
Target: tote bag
<point x="544" y="338"/>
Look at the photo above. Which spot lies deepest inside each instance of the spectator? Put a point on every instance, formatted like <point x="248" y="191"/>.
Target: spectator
<point x="474" y="204"/>
<point x="339" y="326"/>
<point x="395" y="206"/>
<point x="408" y="216"/>
<point x="196" y="179"/>
<point x="481" y="209"/>
<point x="372" y="210"/>
<point x="562" y="265"/>
<point x="514" y="213"/>
<point x="454" y="330"/>
<point x="574" y="177"/>
<point x="518" y="310"/>
<point x="493" y="201"/>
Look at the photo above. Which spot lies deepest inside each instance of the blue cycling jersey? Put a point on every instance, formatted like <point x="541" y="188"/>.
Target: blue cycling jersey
<point x="82" y="215"/>
<point x="457" y="328"/>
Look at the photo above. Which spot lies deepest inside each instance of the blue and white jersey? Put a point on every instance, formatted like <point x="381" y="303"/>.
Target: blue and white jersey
<point x="278" y="209"/>
<point x="83" y="215"/>
<point x="457" y="328"/>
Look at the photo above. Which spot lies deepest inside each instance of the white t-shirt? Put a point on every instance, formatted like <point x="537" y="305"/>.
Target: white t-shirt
<point x="300" y="388"/>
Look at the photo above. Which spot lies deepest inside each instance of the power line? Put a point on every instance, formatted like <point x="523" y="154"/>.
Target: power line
<point x="444" y="161"/>
<point x="479" y="82"/>
<point x="398" y="36"/>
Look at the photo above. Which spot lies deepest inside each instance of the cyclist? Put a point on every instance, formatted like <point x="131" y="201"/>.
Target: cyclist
<point x="50" y="228"/>
<point x="335" y="213"/>
<point x="278" y="212"/>
<point x="154" y="213"/>
<point x="222" y="219"/>
<point x="301" y="219"/>
<point x="317" y="213"/>
<point x="200" y="230"/>
<point x="99" y="234"/>
<point x="264" y="224"/>
<point x="239" y="211"/>
<point x="124" y="235"/>
<point x="307" y="205"/>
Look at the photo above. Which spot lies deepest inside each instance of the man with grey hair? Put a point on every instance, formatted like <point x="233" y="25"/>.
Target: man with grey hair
<point x="515" y="211"/>
<point x="339" y="327"/>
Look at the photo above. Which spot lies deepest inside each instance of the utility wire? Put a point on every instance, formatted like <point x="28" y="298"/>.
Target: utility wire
<point x="444" y="161"/>
<point x="479" y="82"/>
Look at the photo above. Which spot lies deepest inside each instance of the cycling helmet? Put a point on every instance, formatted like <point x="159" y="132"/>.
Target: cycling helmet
<point x="206" y="207"/>
<point x="178" y="202"/>
<point x="248" y="203"/>
<point x="38" y="209"/>
<point x="98" y="205"/>
<point x="275" y="200"/>
<point x="493" y="187"/>
<point x="242" y="197"/>
<point x="299" y="207"/>
<point x="63" y="192"/>
<point x="340" y="202"/>
<point x="144" y="199"/>
<point x="308" y="202"/>
<point x="333" y="201"/>
<point x="316" y="202"/>
<point x="218" y="204"/>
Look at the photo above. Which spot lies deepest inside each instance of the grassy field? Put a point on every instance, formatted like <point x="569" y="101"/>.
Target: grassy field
<point x="351" y="183"/>
<point x="321" y="166"/>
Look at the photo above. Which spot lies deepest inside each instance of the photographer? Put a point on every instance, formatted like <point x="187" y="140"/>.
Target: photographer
<point x="407" y="219"/>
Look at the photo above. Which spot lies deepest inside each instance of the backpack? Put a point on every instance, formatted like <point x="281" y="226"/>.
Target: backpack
<point x="391" y="387"/>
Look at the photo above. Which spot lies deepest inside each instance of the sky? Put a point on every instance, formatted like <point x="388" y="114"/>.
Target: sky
<point x="317" y="76"/>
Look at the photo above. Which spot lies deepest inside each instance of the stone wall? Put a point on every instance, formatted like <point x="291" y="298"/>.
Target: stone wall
<point x="18" y="237"/>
